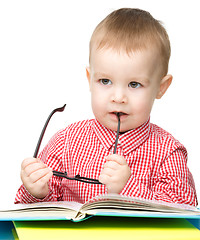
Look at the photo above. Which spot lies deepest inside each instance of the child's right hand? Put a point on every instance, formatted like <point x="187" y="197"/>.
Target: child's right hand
<point x="35" y="176"/>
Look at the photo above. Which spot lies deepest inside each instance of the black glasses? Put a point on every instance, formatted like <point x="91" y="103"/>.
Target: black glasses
<point x="77" y="178"/>
<point x="44" y="128"/>
<point x="64" y="174"/>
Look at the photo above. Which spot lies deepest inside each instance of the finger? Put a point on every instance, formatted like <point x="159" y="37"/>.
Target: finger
<point x="31" y="168"/>
<point x="116" y="158"/>
<point x="28" y="161"/>
<point x="45" y="178"/>
<point x="103" y="178"/>
<point x="108" y="171"/>
<point x="111" y="164"/>
<point x="39" y="174"/>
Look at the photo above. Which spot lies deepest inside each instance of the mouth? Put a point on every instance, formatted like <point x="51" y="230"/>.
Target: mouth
<point x="120" y="114"/>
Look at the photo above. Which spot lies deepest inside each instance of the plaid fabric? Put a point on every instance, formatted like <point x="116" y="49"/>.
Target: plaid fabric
<point x="157" y="161"/>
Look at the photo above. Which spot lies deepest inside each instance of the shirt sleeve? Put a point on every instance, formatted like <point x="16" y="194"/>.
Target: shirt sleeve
<point x="173" y="183"/>
<point x="52" y="156"/>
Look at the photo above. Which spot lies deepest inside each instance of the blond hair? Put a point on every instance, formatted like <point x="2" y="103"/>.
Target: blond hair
<point x="132" y="29"/>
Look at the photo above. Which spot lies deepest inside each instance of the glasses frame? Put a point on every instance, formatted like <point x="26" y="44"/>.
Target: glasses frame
<point x="77" y="178"/>
<point x="61" y="109"/>
<point x="64" y="174"/>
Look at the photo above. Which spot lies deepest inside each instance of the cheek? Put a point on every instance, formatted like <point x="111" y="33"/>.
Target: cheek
<point x="97" y="101"/>
<point x="98" y="95"/>
<point x="147" y="104"/>
<point x="143" y="102"/>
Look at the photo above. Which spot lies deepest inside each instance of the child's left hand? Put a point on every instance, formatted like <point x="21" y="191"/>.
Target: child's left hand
<point x="115" y="173"/>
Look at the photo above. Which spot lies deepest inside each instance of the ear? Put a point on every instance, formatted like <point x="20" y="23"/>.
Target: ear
<point x="164" y="85"/>
<point x="88" y="74"/>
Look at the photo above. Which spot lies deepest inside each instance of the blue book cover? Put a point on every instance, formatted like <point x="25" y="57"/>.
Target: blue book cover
<point x="7" y="231"/>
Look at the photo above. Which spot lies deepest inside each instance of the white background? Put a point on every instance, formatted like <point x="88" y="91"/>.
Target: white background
<point x="43" y="55"/>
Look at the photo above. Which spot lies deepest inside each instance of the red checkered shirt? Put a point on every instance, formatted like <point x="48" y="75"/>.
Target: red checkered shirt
<point x="157" y="162"/>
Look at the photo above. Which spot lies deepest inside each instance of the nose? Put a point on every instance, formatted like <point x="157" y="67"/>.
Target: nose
<point x="119" y="96"/>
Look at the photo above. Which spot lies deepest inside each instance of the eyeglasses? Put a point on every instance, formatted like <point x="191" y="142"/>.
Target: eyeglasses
<point x="64" y="174"/>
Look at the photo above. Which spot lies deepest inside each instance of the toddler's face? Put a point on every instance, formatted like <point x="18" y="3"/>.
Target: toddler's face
<point x="124" y="83"/>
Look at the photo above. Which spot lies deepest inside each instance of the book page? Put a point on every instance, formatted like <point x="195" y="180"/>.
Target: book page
<point x="44" y="210"/>
<point x="115" y="202"/>
<point x="61" y="204"/>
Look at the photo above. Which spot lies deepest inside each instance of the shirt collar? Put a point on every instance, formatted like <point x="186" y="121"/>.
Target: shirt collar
<point x="129" y="141"/>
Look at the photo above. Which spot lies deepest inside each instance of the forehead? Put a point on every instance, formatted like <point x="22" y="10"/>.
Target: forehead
<point x="109" y="61"/>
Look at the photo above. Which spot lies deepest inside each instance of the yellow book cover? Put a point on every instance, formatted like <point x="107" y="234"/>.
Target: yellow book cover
<point x="103" y="228"/>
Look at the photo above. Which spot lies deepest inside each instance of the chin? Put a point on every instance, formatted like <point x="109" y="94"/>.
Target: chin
<point x="110" y="126"/>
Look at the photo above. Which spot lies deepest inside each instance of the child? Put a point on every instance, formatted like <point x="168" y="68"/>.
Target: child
<point x="129" y="55"/>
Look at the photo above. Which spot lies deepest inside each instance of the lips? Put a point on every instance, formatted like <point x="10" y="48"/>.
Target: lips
<point x="122" y="115"/>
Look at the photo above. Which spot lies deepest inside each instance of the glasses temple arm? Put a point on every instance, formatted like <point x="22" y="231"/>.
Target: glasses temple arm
<point x="118" y="128"/>
<point x="44" y="128"/>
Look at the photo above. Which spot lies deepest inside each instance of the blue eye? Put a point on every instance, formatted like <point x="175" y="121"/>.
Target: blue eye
<point x="105" y="81"/>
<point x="134" y="85"/>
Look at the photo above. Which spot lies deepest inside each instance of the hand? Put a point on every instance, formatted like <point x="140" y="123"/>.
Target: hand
<point x="115" y="173"/>
<point x="35" y="176"/>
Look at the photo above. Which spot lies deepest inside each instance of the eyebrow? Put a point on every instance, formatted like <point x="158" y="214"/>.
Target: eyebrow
<point x="99" y="74"/>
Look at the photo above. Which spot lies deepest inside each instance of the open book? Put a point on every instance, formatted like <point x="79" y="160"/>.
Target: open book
<point x="106" y="205"/>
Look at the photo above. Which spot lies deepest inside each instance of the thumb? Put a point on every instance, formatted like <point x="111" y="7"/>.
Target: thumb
<point x="116" y="158"/>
